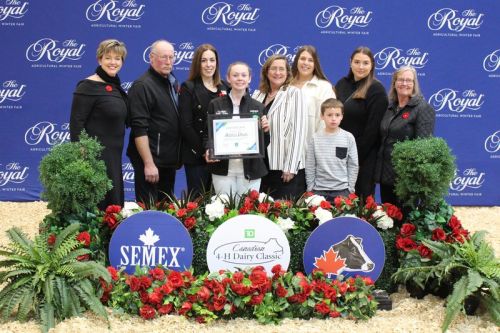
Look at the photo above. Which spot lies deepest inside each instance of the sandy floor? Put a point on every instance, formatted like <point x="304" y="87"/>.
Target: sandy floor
<point x="408" y="315"/>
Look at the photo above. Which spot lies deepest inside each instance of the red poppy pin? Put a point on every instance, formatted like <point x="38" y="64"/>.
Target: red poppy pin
<point x="222" y="93"/>
<point x="405" y="115"/>
<point x="109" y="88"/>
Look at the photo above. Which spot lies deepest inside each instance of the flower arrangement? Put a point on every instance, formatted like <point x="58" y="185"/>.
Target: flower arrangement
<point x="248" y="293"/>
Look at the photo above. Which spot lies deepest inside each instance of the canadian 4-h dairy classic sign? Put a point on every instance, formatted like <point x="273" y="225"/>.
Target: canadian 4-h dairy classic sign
<point x="248" y="241"/>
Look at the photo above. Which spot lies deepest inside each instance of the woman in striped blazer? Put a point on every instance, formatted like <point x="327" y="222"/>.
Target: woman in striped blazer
<point x="286" y="114"/>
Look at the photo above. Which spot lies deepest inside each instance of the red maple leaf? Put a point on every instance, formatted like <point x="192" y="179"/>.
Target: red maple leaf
<point x="329" y="262"/>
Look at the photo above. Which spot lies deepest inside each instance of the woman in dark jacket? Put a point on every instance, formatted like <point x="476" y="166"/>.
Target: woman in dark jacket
<point x="238" y="175"/>
<point x="100" y="108"/>
<point x="203" y="85"/>
<point x="365" y="102"/>
<point x="408" y="117"/>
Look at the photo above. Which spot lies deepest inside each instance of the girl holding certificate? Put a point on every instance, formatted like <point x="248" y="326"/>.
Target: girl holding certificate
<point x="236" y="176"/>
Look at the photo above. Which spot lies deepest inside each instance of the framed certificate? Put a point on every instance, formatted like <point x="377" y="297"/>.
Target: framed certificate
<point x="235" y="136"/>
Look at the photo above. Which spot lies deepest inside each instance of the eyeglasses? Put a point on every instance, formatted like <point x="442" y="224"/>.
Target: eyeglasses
<point x="164" y="57"/>
<point x="405" y="81"/>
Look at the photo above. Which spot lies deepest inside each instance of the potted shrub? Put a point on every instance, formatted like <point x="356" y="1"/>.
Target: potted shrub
<point x="46" y="278"/>
<point x="473" y="267"/>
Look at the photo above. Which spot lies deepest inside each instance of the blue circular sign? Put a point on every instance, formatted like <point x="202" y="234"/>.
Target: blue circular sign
<point x="151" y="238"/>
<point x="345" y="246"/>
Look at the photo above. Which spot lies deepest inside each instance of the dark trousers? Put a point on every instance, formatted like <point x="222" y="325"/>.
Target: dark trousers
<point x="330" y="195"/>
<point x="149" y="193"/>
<point x="275" y="187"/>
<point x="198" y="179"/>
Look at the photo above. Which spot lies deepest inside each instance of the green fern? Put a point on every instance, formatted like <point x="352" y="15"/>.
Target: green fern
<point x="46" y="282"/>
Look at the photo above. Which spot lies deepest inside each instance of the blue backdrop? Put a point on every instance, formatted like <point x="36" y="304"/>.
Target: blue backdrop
<point x="48" y="46"/>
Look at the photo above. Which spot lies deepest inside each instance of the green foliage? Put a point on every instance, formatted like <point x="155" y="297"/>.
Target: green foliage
<point x="424" y="169"/>
<point x="474" y="267"/>
<point x="391" y="263"/>
<point x="74" y="177"/>
<point x="46" y="280"/>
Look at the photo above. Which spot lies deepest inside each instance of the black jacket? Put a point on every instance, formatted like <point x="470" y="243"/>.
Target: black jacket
<point x="415" y="120"/>
<point x="254" y="168"/>
<point x="193" y="106"/>
<point x="154" y="113"/>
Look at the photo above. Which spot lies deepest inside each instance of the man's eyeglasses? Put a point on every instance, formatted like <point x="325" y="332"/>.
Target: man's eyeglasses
<point x="164" y="57"/>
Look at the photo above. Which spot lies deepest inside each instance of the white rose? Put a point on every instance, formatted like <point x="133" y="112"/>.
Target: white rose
<point x="314" y="200"/>
<point x="285" y="224"/>
<point x="384" y="221"/>
<point x="323" y="215"/>
<point x="129" y="209"/>
<point x="263" y="196"/>
<point x="214" y="210"/>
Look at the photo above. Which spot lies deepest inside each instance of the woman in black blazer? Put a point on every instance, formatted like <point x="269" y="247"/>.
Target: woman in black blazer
<point x="203" y="85"/>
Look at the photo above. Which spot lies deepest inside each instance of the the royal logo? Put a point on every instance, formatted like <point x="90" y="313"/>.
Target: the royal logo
<point x="343" y="18"/>
<point x="13" y="173"/>
<point x="455" y="101"/>
<point x="150" y="239"/>
<point x="279" y="49"/>
<point x="230" y="15"/>
<point x="115" y="11"/>
<point x="13" y="8"/>
<point x="55" y="51"/>
<point x="183" y="53"/>
<point x="12" y="91"/>
<point x="469" y="179"/>
<point x="492" y="61"/>
<point x="128" y="173"/>
<point x="394" y="57"/>
<point x="47" y="132"/>
<point x="454" y="20"/>
<point x="492" y="142"/>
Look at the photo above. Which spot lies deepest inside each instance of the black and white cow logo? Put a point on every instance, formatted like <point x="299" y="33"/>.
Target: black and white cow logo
<point x="351" y="249"/>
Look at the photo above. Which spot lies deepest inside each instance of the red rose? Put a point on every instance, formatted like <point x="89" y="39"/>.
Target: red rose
<point x="263" y="207"/>
<point x="84" y="238"/>
<point x="110" y="220"/>
<point x="190" y="222"/>
<point x="109" y="88"/>
<point x="281" y="291"/>
<point x="256" y="299"/>
<point x="338" y="202"/>
<point x="406" y="244"/>
<point x="219" y="303"/>
<point x="175" y="279"/>
<point x="308" y="194"/>
<point x="438" y="234"/>
<point x="277" y="270"/>
<point x="113" y="272"/>
<point x="113" y="209"/>
<point x="407" y="229"/>
<point x="322" y="308"/>
<point x="147" y="312"/>
<point x="240" y="289"/>
<point x="155" y="297"/>
<point x="157" y="274"/>
<point x="203" y="294"/>
<point x="181" y="212"/>
<point x="325" y="204"/>
<point x="393" y="211"/>
<point x="238" y="277"/>
<point x="254" y="195"/>
<point x="424" y="251"/>
<point x="165" y="309"/>
<point x="144" y="296"/>
<point x="167" y="288"/>
<point x="334" y="314"/>
<point x="134" y="283"/>
<point x="454" y="223"/>
<point x="191" y="205"/>
<point x="370" y="203"/>
<point x="367" y="280"/>
<point x="258" y="277"/>
<point x="145" y="282"/>
<point x="348" y="202"/>
<point x="405" y="115"/>
<point x="185" y="308"/>
<point x="51" y="239"/>
<point x="460" y="235"/>
<point x="201" y="320"/>
<point x="352" y="196"/>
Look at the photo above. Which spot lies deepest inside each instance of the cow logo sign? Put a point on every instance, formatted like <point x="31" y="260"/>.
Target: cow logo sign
<point x="150" y="239"/>
<point x="346" y="246"/>
<point x="248" y="241"/>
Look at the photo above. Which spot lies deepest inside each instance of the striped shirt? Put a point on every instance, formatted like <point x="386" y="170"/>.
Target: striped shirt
<point x="332" y="161"/>
<point x="288" y="129"/>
